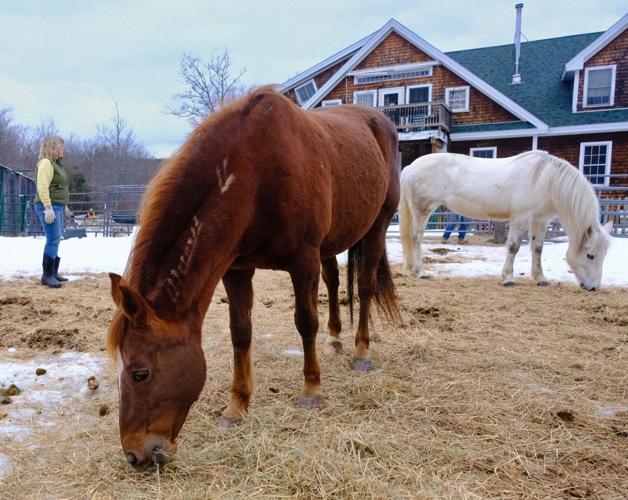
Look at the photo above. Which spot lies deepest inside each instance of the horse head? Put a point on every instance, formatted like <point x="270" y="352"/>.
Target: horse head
<point x="161" y="371"/>
<point x="587" y="257"/>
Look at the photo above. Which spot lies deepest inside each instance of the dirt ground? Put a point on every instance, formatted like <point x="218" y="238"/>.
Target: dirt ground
<point x="483" y="390"/>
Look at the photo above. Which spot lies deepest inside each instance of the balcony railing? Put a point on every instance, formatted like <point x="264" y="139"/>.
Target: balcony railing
<point x="419" y="116"/>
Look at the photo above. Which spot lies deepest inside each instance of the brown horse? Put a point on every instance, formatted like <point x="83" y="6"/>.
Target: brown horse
<point x="261" y="184"/>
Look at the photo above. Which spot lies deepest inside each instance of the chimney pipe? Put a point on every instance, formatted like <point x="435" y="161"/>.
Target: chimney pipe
<point x="516" y="78"/>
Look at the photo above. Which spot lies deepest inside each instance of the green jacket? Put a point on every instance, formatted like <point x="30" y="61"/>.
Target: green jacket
<point x="57" y="184"/>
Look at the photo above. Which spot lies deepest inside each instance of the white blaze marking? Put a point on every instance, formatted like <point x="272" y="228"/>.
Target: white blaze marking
<point x="221" y="172"/>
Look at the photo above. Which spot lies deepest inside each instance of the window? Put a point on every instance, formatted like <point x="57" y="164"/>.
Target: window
<point x="305" y="91"/>
<point x="331" y="102"/>
<point x="483" y="152"/>
<point x="457" y="98"/>
<point x="392" y="97"/>
<point x="392" y="75"/>
<point x="365" y="97"/>
<point x="599" y="86"/>
<point x="419" y="93"/>
<point x="595" y="161"/>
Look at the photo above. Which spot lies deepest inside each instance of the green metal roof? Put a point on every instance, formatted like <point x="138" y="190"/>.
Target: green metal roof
<point x="542" y="91"/>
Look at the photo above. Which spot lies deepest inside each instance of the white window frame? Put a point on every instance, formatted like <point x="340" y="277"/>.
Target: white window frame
<point x="296" y="90"/>
<point x="613" y="68"/>
<point x="607" y="167"/>
<point x="467" y="90"/>
<point x="400" y="91"/>
<point x="387" y="73"/>
<point x="373" y="93"/>
<point x="493" y="149"/>
<point x="331" y="102"/>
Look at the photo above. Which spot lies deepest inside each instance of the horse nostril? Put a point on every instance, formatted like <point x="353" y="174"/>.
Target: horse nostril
<point x="159" y="456"/>
<point x="592" y="289"/>
<point x="131" y="458"/>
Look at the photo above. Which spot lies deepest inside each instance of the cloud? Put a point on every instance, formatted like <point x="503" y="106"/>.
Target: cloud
<point x="65" y="59"/>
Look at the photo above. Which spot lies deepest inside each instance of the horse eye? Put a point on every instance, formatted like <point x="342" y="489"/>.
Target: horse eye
<point x="140" y="375"/>
<point x="590" y="256"/>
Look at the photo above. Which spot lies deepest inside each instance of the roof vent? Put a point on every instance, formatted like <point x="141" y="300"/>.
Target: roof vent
<point x="516" y="78"/>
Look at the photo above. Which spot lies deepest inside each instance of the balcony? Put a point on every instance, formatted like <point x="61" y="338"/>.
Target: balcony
<point x="419" y="116"/>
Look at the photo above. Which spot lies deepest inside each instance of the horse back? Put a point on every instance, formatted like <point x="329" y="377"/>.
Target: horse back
<point x="497" y="189"/>
<point x="323" y="176"/>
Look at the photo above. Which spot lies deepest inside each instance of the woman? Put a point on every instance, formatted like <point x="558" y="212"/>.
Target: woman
<point x="51" y="204"/>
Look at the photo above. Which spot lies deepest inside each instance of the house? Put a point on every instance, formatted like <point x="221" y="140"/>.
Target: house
<point x="566" y="95"/>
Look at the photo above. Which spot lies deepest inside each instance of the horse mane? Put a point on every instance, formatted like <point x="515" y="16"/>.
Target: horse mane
<point x="571" y="192"/>
<point x="179" y="190"/>
<point x="168" y="213"/>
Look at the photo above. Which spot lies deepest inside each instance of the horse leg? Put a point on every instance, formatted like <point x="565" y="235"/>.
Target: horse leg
<point x="537" y="235"/>
<point x="332" y="281"/>
<point x="305" y="275"/>
<point x="239" y="287"/>
<point x="417" y="240"/>
<point x="373" y="246"/>
<point x="515" y="235"/>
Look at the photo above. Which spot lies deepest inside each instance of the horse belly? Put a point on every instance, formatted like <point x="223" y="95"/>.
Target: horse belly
<point x="351" y="222"/>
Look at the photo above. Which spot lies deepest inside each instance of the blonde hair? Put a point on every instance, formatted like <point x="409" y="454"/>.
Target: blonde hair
<point x="48" y="147"/>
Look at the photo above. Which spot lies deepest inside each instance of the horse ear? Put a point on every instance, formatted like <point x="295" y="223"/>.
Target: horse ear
<point x="608" y="227"/>
<point x="134" y="306"/>
<point x="115" y="288"/>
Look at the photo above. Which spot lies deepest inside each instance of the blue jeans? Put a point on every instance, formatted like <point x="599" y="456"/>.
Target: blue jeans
<point x="462" y="229"/>
<point x="52" y="231"/>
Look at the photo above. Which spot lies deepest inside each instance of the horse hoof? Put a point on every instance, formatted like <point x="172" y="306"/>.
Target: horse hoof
<point x="510" y="283"/>
<point x="333" y="348"/>
<point x="228" y="422"/>
<point x="425" y="277"/>
<point x="310" y="402"/>
<point x="543" y="283"/>
<point x="362" y="365"/>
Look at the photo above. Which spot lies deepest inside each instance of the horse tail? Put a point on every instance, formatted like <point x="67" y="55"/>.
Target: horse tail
<point x="406" y="227"/>
<point x="385" y="295"/>
<point x="353" y="264"/>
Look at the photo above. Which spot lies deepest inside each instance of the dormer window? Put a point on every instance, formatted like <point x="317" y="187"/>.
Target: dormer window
<point x="305" y="91"/>
<point x="599" y="86"/>
<point x="457" y="98"/>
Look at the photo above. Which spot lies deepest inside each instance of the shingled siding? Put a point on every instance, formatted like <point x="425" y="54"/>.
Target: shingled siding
<point x="505" y="147"/>
<point x="396" y="50"/>
<point x="615" y="52"/>
<point x="568" y="148"/>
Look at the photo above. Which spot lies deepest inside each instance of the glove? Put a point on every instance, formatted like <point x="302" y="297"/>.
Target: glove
<point x="67" y="212"/>
<point x="49" y="215"/>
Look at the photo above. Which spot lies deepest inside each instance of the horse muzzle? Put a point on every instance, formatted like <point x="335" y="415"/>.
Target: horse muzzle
<point x="588" y="289"/>
<point x="157" y="452"/>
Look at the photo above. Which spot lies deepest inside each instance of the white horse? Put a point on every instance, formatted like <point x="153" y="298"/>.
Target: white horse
<point x="528" y="190"/>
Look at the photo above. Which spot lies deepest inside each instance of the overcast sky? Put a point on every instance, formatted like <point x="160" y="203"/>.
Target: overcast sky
<point x="68" y="59"/>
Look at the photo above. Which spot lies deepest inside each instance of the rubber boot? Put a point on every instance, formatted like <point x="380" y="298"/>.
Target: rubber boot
<point x="48" y="277"/>
<point x="58" y="278"/>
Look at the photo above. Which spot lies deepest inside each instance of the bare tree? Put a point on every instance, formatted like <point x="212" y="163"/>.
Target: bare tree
<point x="31" y="141"/>
<point x="116" y="150"/>
<point x="10" y="138"/>
<point x="209" y="85"/>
